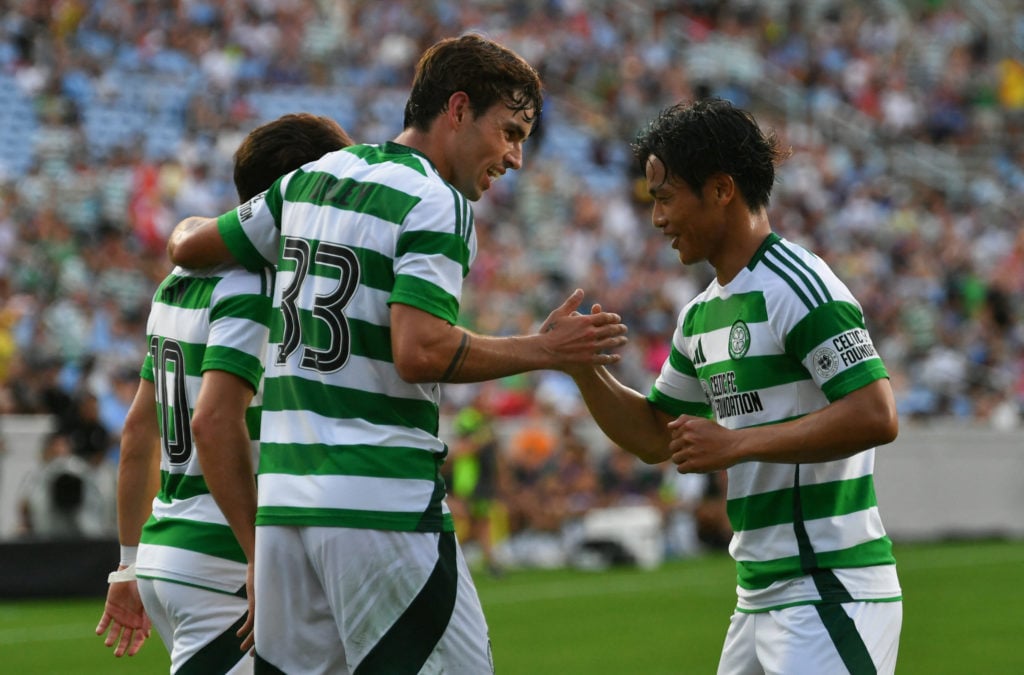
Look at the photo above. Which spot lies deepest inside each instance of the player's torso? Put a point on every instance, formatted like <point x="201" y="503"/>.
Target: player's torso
<point x="755" y="346"/>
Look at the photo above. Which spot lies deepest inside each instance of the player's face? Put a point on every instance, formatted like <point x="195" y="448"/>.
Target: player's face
<point x="488" y="146"/>
<point x="690" y="220"/>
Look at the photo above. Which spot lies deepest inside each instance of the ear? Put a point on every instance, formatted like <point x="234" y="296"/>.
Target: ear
<point x="458" y="109"/>
<point x="722" y="188"/>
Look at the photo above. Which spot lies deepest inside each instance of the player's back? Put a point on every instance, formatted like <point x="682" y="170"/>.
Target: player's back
<point x="200" y="320"/>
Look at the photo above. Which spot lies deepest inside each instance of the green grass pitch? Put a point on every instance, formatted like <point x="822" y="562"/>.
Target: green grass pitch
<point x="963" y="613"/>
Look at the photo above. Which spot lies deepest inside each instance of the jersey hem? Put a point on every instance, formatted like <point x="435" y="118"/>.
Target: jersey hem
<point x="181" y="582"/>
<point x="444" y="525"/>
<point x="801" y="603"/>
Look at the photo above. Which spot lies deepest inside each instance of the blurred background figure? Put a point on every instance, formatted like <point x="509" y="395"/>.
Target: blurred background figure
<point x="68" y="496"/>
<point x="908" y="177"/>
<point x="625" y="480"/>
<point x="474" y="467"/>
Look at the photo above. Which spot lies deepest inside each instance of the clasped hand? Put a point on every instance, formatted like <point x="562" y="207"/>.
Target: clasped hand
<point x="700" y="445"/>
<point x="576" y="338"/>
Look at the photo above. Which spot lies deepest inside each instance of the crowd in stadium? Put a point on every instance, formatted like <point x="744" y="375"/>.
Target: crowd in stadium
<point x="119" y="117"/>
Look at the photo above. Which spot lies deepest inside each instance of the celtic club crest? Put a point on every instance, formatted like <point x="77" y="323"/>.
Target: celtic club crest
<point x="739" y="340"/>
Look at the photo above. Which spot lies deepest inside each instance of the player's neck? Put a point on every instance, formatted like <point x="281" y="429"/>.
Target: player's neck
<point x="426" y="143"/>
<point x="745" y="238"/>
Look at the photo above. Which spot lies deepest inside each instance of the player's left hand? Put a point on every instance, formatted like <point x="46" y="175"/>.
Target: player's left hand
<point x="700" y="445"/>
<point x="126" y="619"/>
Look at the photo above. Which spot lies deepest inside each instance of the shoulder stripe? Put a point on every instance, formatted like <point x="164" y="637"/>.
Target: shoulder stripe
<point x="460" y="216"/>
<point x="463" y="214"/>
<point x="789" y="281"/>
<point x="794" y="276"/>
<point x="267" y="281"/>
<point x="186" y="291"/>
<point x="785" y="251"/>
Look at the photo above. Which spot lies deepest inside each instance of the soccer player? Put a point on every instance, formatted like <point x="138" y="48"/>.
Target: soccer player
<point x="773" y="377"/>
<point x="191" y="547"/>
<point x="357" y="566"/>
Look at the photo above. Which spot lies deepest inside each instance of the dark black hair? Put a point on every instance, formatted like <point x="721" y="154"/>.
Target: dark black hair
<point x="697" y="140"/>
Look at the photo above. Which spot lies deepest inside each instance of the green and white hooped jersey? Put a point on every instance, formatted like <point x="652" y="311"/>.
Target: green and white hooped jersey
<point x="345" y="441"/>
<point x="214" y="319"/>
<point x="781" y="340"/>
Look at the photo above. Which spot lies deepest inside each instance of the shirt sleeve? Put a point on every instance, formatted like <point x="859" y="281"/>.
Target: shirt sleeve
<point x="835" y="347"/>
<point x="252" y="231"/>
<point x="433" y="253"/>
<point x="239" y="326"/>
<point x="678" y="390"/>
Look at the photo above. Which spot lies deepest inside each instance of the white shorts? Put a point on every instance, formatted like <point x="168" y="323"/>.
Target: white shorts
<point x="351" y="601"/>
<point x="198" y="627"/>
<point x="856" y="637"/>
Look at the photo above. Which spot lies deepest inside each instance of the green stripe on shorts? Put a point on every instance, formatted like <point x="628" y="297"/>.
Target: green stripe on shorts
<point x="219" y="655"/>
<point x="409" y="642"/>
<point x="847" y="640"/>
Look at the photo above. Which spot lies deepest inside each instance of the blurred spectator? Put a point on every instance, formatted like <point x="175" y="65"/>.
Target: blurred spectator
<point x="90" y="439"/>
<point x="114" y="403"/>
<point x="120" y="117"/>
<point x="9" y="315"/>
<point x="473" y="469"/>
<point x="574" y="485"/>
<point x="531" y="465"/>
<point x="125" y="110"/>
<point x="67" y="497"/>
<point x="626" y="480"/>
<point x="696" y="518"/>
<point x="713" y="527"/>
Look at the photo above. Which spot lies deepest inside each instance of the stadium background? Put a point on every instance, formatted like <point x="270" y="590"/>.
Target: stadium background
<point x="119" y="117"/>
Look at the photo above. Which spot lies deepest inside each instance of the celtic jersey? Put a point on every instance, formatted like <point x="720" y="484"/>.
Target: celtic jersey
<point x="214" y="319"/>
<point x="781" y="340"/>
<point x="345" y="441"/>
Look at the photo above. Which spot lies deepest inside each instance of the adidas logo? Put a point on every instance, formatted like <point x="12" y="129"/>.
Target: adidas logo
<point x="698" y="355"/>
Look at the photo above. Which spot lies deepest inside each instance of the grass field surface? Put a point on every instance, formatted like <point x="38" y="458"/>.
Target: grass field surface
<point x="963" y="614"/>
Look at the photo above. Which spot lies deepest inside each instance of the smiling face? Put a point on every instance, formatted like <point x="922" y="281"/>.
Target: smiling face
<point x="487" y="146"/>
<point x="694" y="222"/>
